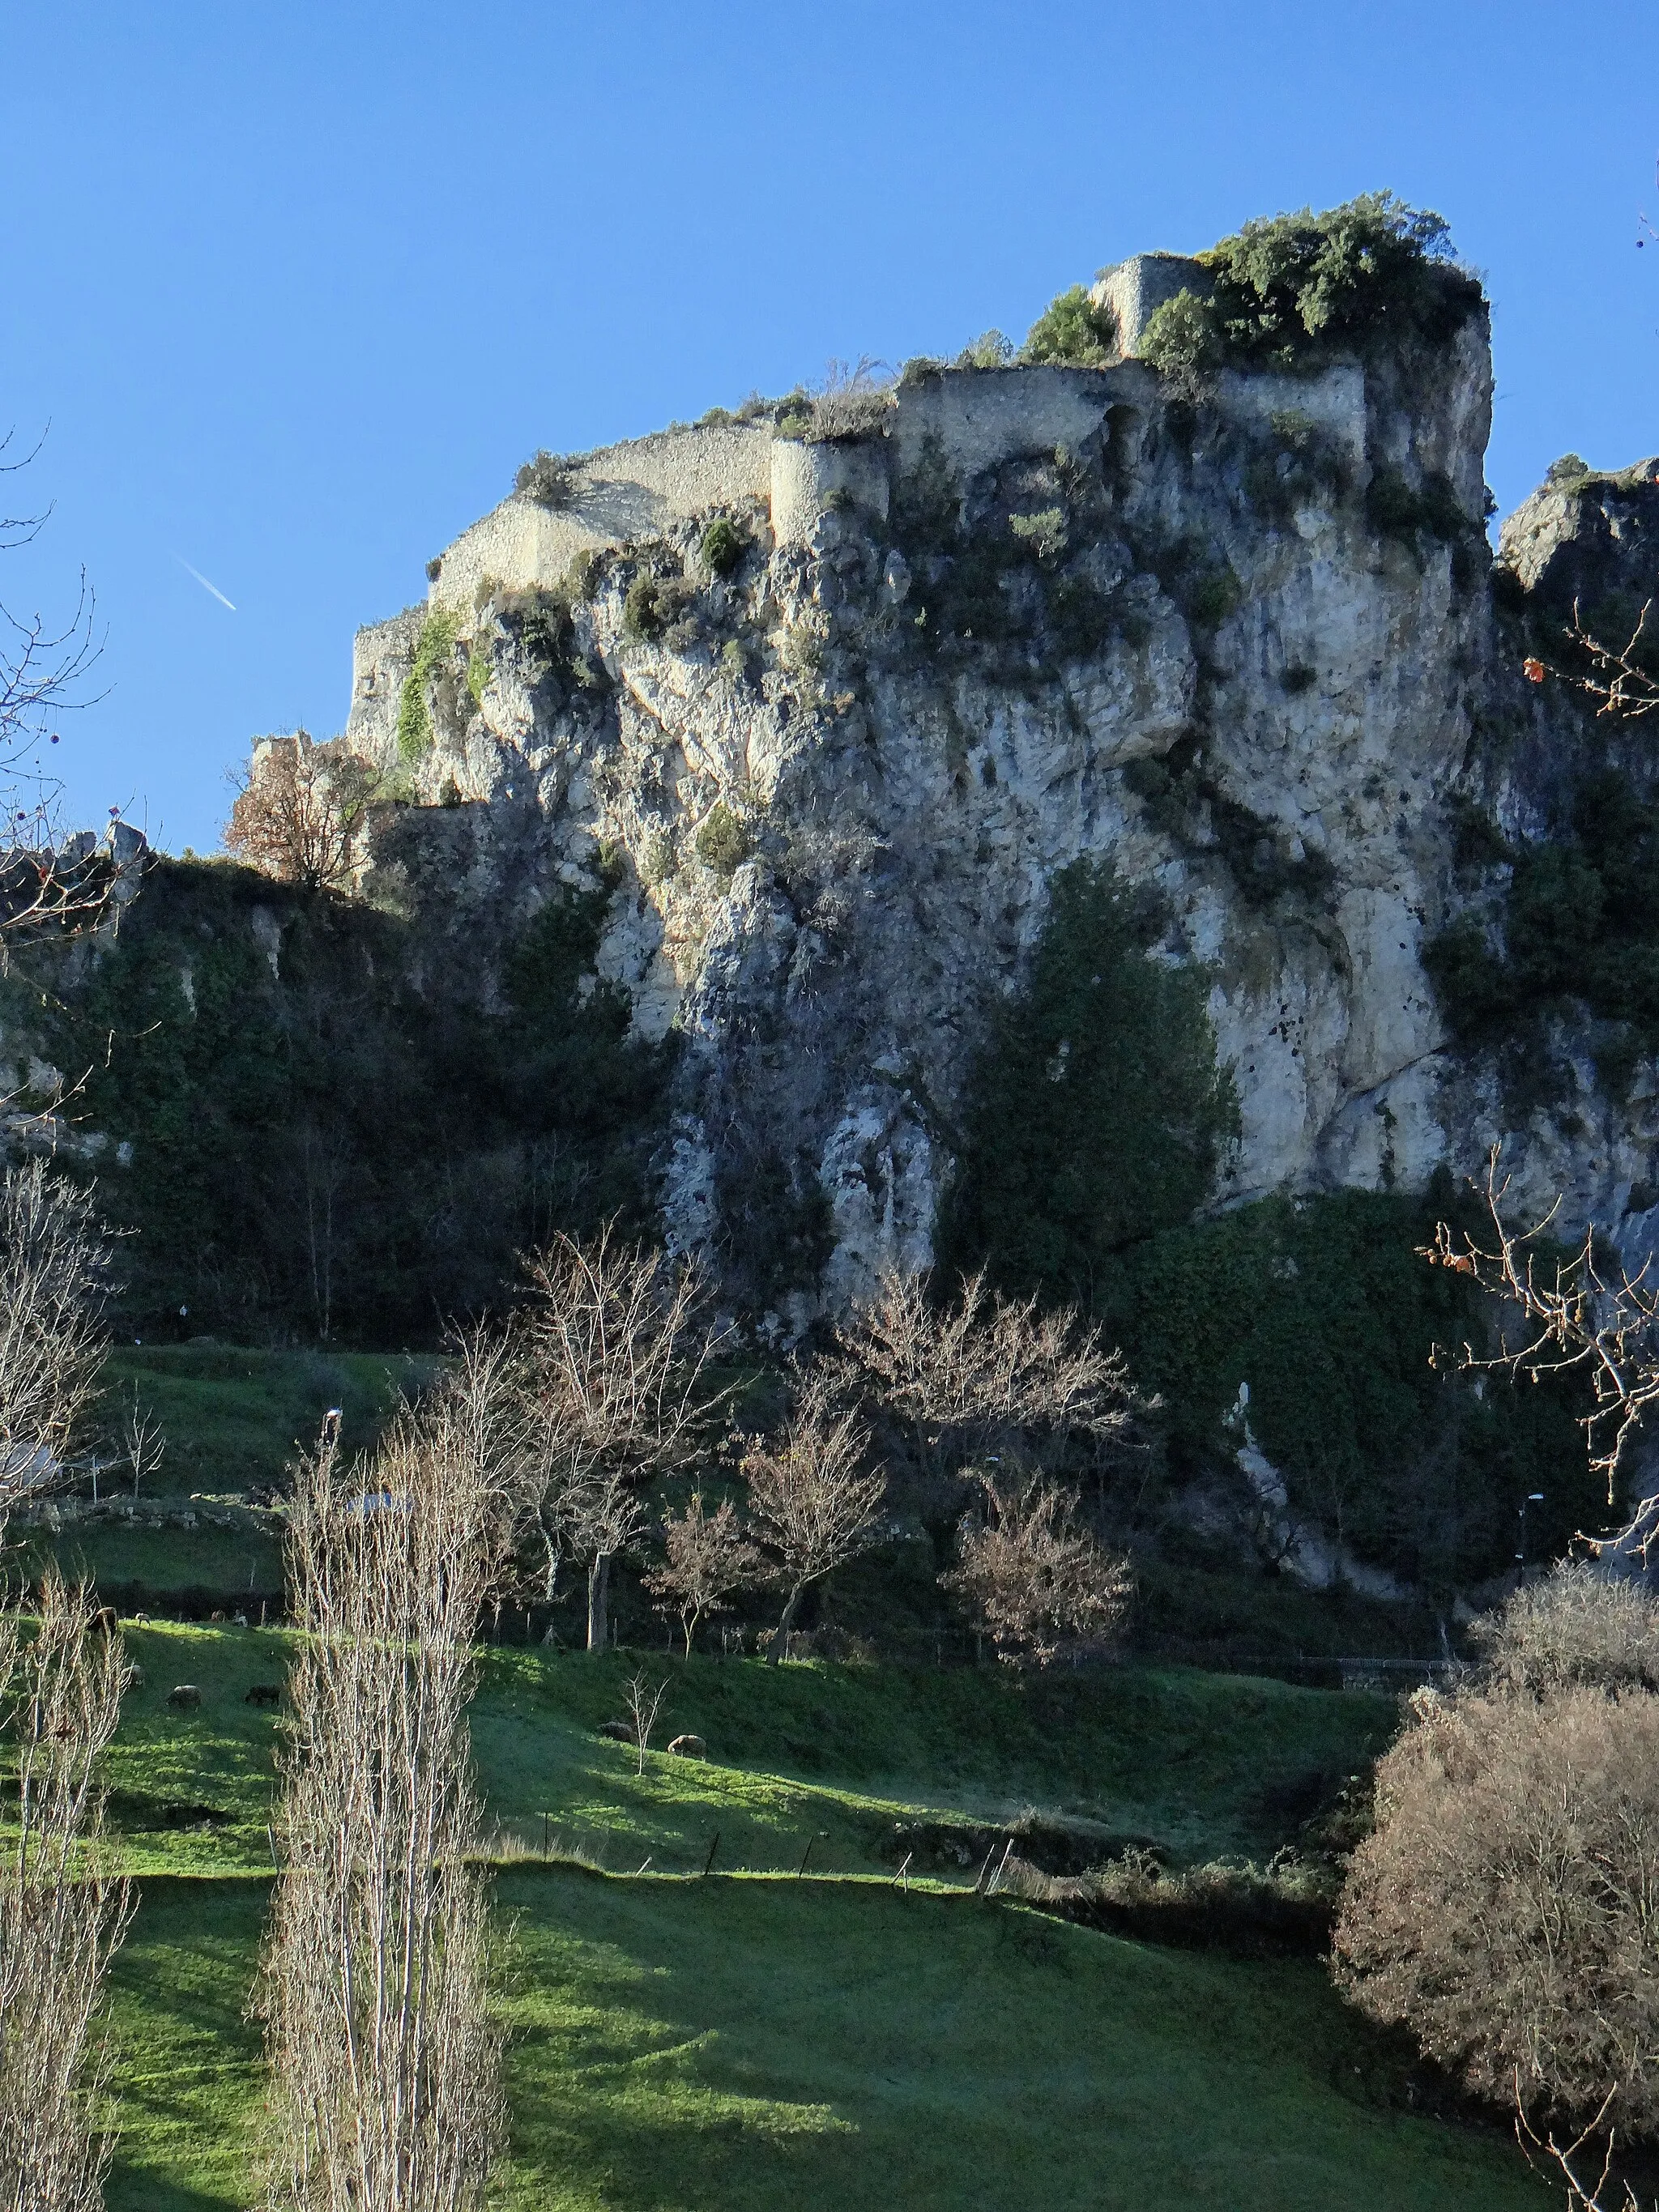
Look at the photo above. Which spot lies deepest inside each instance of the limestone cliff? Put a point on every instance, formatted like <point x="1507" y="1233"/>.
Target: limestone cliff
<point x="1236" y="635"/>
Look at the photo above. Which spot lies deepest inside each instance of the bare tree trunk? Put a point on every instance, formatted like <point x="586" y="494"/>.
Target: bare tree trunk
<point x="781" y="1638"/>
<point x="61" y="1915"/>
<point x="385" y="2069"/>
<point x="598" y="1590"/>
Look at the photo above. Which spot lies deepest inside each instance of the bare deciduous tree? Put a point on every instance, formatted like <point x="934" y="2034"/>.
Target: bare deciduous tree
<point x="644" y="1703"/>
<point x="143" y="1446"/>
<point x="987" y="1372"/>
<point x="1573" y="2162"/>
<point x="708" y="1557"/>
<point x="1035" y="1577"/>
<point x="63" y="1913"/>
<point x="301" y="809"/>
<point x="852" y="400"/>
<point x="815" y="1500"/>
<point x="53" y="1284"/>
<point x="385" y="2066"/>
<point x="612" y="1366"/>
<point x="47" y="883"/>
<point x="1502" y="1908"/>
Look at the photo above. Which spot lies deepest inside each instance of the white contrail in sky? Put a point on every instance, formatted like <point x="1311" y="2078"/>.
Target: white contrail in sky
<point x="204" y="583"/>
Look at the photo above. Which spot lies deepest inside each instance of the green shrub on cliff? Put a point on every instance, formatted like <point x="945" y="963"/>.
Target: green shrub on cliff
<point x="1096" y="1113"/>
<point x="1073" y="332"/>
<point x="723" y="545"/>
<point x="435" y="644"/>
<point x="1578" y="926"/>
<point x="723" y="842"/>
<point x="1324" y="1308"/>
<point x="1290" y="288"/>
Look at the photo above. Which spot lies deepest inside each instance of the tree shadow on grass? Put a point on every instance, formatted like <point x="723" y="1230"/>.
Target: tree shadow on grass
<point x="728" y="2046"/>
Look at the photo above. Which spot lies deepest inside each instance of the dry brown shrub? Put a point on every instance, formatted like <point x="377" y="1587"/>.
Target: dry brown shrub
<point x="1503" y="1910"/>
<point x="386" y="2067"/>
<point x="63" y="1913"/>
<point x="1037" y="1580"/>
<point x="1575" y="1627"/>
<point x="301" y="810"/>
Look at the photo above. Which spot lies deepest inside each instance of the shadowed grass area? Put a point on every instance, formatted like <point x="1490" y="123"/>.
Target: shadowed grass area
<point x="688" y="2046"/>
<point x="188" y="2072"/>
<point x="1198" y="1763"/>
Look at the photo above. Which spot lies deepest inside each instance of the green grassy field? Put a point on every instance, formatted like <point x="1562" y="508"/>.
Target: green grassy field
<point x="233" y="1416"/>
<point x="1197" y="1763"/>
<point x="757" y="2039"/>
<point x="749" y="2042"/>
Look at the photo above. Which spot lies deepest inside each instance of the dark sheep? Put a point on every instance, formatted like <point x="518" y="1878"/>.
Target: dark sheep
<point x="263" y="1693"/>
<point x="618" y="1731"/>
<point x="183" y="1693"/>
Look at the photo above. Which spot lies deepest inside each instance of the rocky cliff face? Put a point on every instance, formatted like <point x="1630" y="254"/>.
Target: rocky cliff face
<point x="1237" y="639"/>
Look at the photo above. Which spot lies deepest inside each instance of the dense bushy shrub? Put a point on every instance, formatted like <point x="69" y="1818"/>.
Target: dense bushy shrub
<point x="723" y="545"/>
<point x="1073" y="332"/>
<point x="723" y="842"/>
<point x="1293" y="287"/>
<point x="990" y="349"/>
<point x="1574" y="1629"/>
<point x="1571" y="469"/>
<point x="546" y="479"/>
<point x="1180" y="341"/>
<point x="1502" y="1909"/>
<point x="655" y="606"/>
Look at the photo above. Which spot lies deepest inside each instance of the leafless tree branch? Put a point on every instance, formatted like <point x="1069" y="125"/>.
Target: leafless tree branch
<point x="63" y="1913"/>
<point x="814" y="1501"/>
<point x="612" y="1360"/>
<point x="1575" y="1315"/>
<point x="986" y="1374"/>
<point x="385" y="2066"/>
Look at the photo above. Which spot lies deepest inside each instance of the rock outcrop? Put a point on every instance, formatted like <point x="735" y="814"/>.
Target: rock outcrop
<point x="824" y="714"/>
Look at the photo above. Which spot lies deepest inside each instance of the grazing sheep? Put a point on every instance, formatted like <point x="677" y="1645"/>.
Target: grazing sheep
<point x="688" y="1746"/>
<point x="263" y="1693"/>
<point x="618" y="1731"/>
<point x="183" y="1693"/>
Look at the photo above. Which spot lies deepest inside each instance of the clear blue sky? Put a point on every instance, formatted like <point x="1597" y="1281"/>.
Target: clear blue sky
<point x="297" y="287"/>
